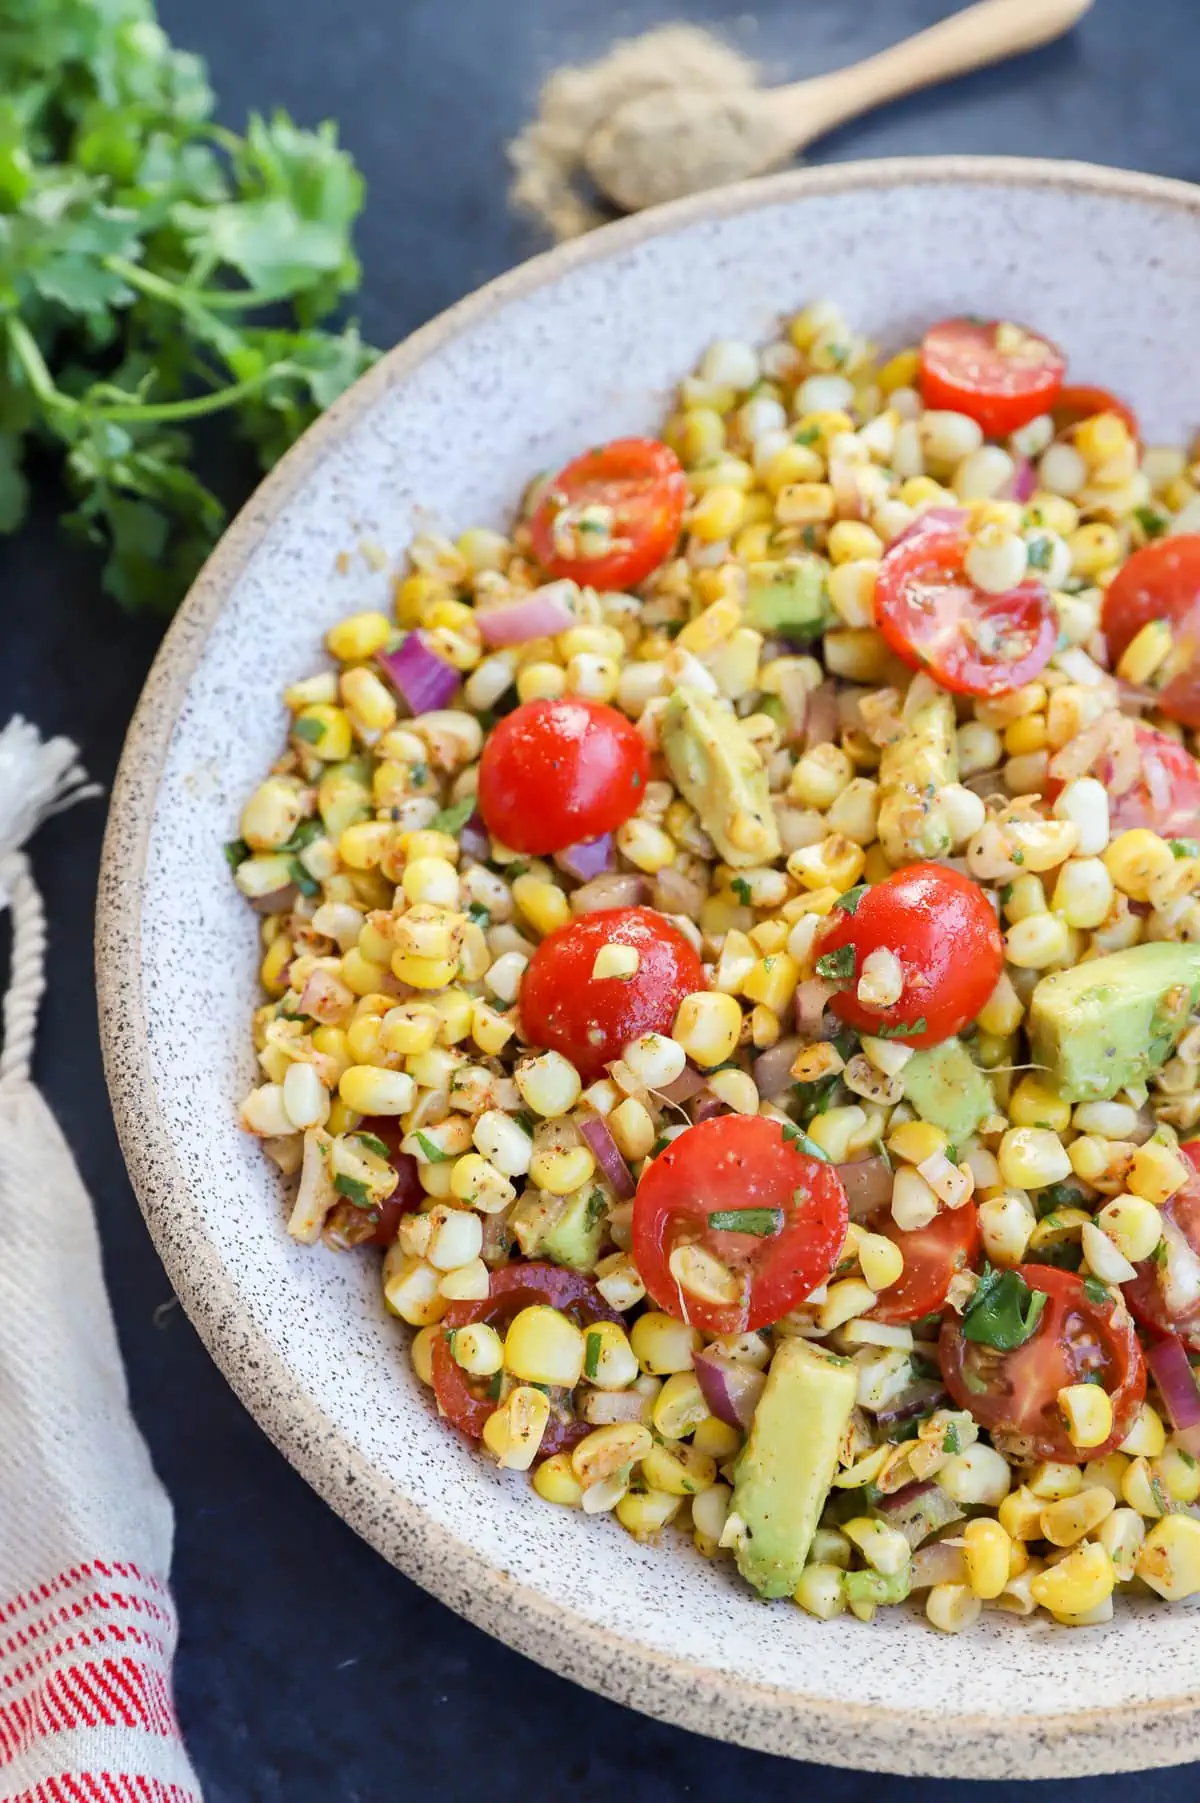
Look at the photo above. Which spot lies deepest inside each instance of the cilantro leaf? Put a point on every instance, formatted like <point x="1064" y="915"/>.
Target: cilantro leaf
<point x="741" y="889"/>
<point x="454" y="818"/>
<point x="848" y="902"/>
<point x="794" y="1136"/>
<point x="433" y="1152"/>
<point x="1003" y="1312"/>
<point x="763" y="1223"/>
<point x="1184" y="848"/>
<point x="899" y="1028"/>
<point x="372" y="1144"/>
<point x="838" y="965"/>
<point x="354" y="1190"/>
<point x="236" y="852"/>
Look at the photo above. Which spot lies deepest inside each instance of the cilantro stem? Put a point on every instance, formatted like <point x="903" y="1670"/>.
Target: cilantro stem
<point x="187" y="299"/>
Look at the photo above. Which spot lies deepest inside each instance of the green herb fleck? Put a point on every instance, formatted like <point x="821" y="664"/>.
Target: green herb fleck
<point x="372" y="1144"/>
<point x="596" y="1205"/>
<point x="808" y="538"/>
<point x="593" y="1345"/>
<point x="524" y="1121"/>
<point x="419" y="773"/>
<point x="900" y="1028"/>
<point x="838" y="965"/>
<point x="1018" y="856"/>
<point x="848" y="902"/>
<point x="304" y="881"/>
<point x="354" y="1190"/>
<point x="1040" y="551"/>
<point x="311" y="731"/>
<point x="1006" y="894"/>
<point x="741" y="889"/>
<point x="950" y="1440"/>
<point x="433" y="1152"/>
<point x="1184" y="848"/>
<point x="479" y="914"/>
<point x="813" y="1098"/>
<point x="806" y="435"/>
<point x="1152" y="523"/>
<point x="793" y="1136"/>
<point x="1003" y="1312"/>
<point x="660" y="1145"/>
<point x="763" y="1223"/>
<point x="1187" y="1458"/>
<point x="452" y="819"/>
<point x="495" y="1386"/>
<point x="1097" y="1292"/>
<point x="236" y="852"/>
<point x="305" y="833"/>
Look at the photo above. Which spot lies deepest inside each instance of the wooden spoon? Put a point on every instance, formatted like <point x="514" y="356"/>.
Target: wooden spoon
<point x="674" y="141"/>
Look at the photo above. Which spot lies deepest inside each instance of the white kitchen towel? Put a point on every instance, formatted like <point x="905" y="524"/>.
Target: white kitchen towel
<point x="87" y="1625"/>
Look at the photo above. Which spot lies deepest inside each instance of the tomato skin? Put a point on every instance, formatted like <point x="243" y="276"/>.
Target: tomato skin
<point x="962" y="370"/>
<point x="408" y="1194"/>
<point x="1161" y="581"/>
<point x="1144" y="1293"/>
<point x="1074" y="1335"/>
<point x="642" y="481"/>
<point x="944" y="931"/>
<point x="1176" y="818"/>
<point x="512" y="1288"/>
<point x="934" y="617"/>
<point x="590" y="1020"/>
<point x="739" y="1161"/>
<point x="933" y="1255"/>
<point x="1078" y="402"/>
<point x="555" y="772"/>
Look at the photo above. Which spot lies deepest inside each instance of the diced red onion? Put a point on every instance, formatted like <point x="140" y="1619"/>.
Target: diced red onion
<point x="868" y="1185"/>
<point x="1176" y="1381"/>
<point x="772" y="1070"/>
<point x="1022" y="484"/>
<point x="730" y="1389"/>
<point x="811" y="998"/>
<point x="821" y="719"/>
<point x="921" y="1398"/>
<point x="1134" y="700"/>
<point x="602" y="1407"/>
<point x="278" y="902"/>
<point x="685" y="1086"/>
<point x="675" y="893"/>
<point x="587" y="858"/>
<point x="474" y="840"/>
<point x="543" y="614"/>
<point x="1179" y="1272"/>
<point x="707" y="1106"/>
<point x="605" y="1151"/>
<point x="423" y="679"/>
<point x="326" y="998"/>
<point x="613" y="890"/>
<point x="938" y="1563"/>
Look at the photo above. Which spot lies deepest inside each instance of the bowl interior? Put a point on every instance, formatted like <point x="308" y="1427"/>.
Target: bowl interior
<point x="580" y="348"/>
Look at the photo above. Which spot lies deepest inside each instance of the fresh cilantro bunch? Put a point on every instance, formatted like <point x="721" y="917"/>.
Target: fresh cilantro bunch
<point x="155" y="268"/>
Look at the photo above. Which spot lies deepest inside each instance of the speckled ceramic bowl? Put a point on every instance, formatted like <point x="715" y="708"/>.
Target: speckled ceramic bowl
<point x="576" y="347"/>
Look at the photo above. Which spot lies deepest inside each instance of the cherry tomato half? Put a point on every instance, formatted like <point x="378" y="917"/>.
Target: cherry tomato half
<point x="968" y="367"/>
<point x="612" y="515"/>
<point x="1078" y="402"/>
<point x="1016" y="1393"/>
<point x="1165" y="795"/>
<point x="1161" y="581"/>
<point x="944" y="931"/>
<point x="511" y="1289"/>
<point x="738" y="1165"/>
<point x="933" y="616"/>
<point x="1166" y="1296"/>
<point x="591" y="1019"/>
<point x="555" y="772"/>
<point x="932" y="1256"/>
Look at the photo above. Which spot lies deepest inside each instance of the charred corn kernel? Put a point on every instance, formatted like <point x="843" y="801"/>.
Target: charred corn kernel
<point x="1032" y="1158"/>
<point x="1094" y="547"/>
<point x="424" y="973"/>
<point x="560" y="1172"/>
<point x="1087" y="1411"/>
<point x="1140" y="1490"/>
<point x="633" y="1129"/>
<point x="1034" y="1104"/>
<point x="410" y="1289"/>
<point x="1081" y="1581"/>
<point x="1133" y="1225"/>
<point x="820" y="776"/>
<point x="606" y="1451"/>
<point x="1020" y="1514"/>
<point x="543" y="1347"/>
<point x="490" y="1031"/>
<point x="1147" y="1437"/>
<point x="646" y="846"/>
<point x="663" y="1345"/>
<point x="273" y="971"/>
<point x="324" y="731"/>
<point x="915" y="1141"/>
<point x="555" y="1482"/>
<point x="845" y="1300"/>
<point x="368" y="703"/>
<point x="679" y="1469"/>
<point x="977" y="1475"/>
<point x="371" y="1091"/>
<point x="473" y="1179"/>
<point x="619" y="961"/>
<point x="1156" y="1173"/>
<point x="773" y="980"/>
<point x="1135" y="859"/>
<point x="1121" y="1535"/>
<point x="884" y="1548"/>
<point x="707" y="1027"/>
<point x="1179" y="1474"/>
<point x="362" y="846"/>
<point x="543" y="904"/>
<point x="644" y="1513"/>
<point x="1069" y="1519"/>
<point x="541" y="681"/>
<point x="478" y="1349"/>
<point x="987" y="1551"/>
<point x="1169" y="1560"/>
<point x="836" y="1129"/>
<point x="655" y="1060"/>
<point x="514" y="1432"/>
<point x="549" y="1083"/>
<point x="821" y="1591"/>
<point x="736" y="1089"/>
<point x="433" y="880"/>
<point x="1051" y="1479"/>
<point x="879" y="1259"/>
<point x="953" y="1608"/>
<point x="1037" y="942"/>
<point x="716" y="1438"/>
<point x="592" y="675"/>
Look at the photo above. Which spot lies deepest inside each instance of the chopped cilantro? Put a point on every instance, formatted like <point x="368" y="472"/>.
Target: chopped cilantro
<point x="1040" y="552"/>
<point x="741" y="889"/>
<point x="307" y="885"/>
<point x="794" y="1136"/>
<point x="495" y="1386"/>
<point x="419" y="774"/>
<point x="305" y="833"/>
<point x="808" y="538"/>
<point x="596" y="1205"/>
<point x="900" y="1028"/>
<point x="660" y="1145"/>
<point x="236" y="852"/>
<point x="372" y="1144"/>
<point x="763" y="1223"/>
<point x="1184" y="848"/>
<point x="454" y="818"/>
<point x="806" y="435"/>
<point x="950" y="1440"/>
<point x="524" y="1121"/>
<point x="433" y="1152"/>
<point x="1152" y="523"/>
<point x="479" y="914"/>
<point x="354" y="1190"/>
<point x="1003" y="1312"/>
<point x="593" y="1345"/>
<point x="1097" y="1292"/>
<point x="311" y="731"/>
<point x="1018" y="856"/>
<point x="838" y="965"/>
<point x="813" y="1098"/>
<point x="1006" y="894"/>
<point x="848" y="902"/>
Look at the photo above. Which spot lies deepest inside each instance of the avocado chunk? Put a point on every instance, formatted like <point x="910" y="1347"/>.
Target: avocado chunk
<point x="947" y="1088"/>
<point x="912" y="769"/>
<point x="788" y="1463"/>
<point x="789" y="598"/>
<point x="719" y="772"/>
<point x="1111" y="1021"/>
<point x="575" y="1236"/>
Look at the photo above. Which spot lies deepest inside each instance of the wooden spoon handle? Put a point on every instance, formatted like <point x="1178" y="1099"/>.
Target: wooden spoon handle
<point x="984" y="33"/>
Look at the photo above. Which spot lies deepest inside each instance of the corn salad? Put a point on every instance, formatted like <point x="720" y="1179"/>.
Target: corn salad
<point x="732" y="941"/>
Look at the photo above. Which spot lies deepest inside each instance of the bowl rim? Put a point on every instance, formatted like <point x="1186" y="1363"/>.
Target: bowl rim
<point x="768" y="1717"/>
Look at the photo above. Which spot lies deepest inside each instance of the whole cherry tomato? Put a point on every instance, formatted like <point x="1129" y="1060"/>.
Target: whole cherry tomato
<point x="613" y="515"/>
<point x="555" y="772"/>
<point x="590" y="1019"/>
<point x="1001" y="375"/>
<point x="943" y="930"/>
<point x="1078" y="402"/>
<point x="766" y="1219"/>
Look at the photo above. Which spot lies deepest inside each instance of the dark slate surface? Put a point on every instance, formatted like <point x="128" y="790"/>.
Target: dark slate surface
<point x="309" y="1670"/>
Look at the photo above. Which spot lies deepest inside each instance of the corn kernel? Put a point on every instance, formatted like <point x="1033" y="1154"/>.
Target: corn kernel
<point x="987" y="1551"/>
<point x="773" y="980"/>
<point x="707" y="1026"/>
<point x="1135" y="859"/>
<point x="953" y="1608"/>
<point x="1147" y="1437"/>
<point x="1133" y="1224"/>
<point x="555" y="1482"/>
<point x="514" y="1432"/>
<point x="1146" y="652"/>
<point x="543" y="1347"/>
<point x="1156" y="1172"/>
<point x="325" y="732"/>
<point x="1032" y="1158"/>
<point x="1169" y="1560"/>
<point x="662" y="1344"/>
<point x="1087" y="1410"/>
<point x="1081" y="1581"/>
<point x="560" y="1172"/>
